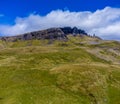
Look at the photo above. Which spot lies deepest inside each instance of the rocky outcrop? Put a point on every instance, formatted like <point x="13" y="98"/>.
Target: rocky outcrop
<point x="52" y="33"/>
<point x="74" y="31"/>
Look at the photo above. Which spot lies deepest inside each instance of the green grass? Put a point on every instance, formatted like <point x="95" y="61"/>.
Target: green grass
<point x="37" y="72"/>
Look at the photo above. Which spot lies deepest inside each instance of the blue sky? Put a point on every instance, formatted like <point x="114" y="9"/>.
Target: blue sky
<point x="16" y="13"/>
<point x="13" y="8"/>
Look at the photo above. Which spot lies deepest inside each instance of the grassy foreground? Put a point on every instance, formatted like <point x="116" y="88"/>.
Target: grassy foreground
<point x="38" y="72"/>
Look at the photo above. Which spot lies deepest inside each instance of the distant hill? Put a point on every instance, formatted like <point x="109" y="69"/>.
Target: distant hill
<point x="52" y="33"/>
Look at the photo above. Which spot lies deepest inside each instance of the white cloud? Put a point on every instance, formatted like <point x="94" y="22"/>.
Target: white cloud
<point x="104" y="23"/>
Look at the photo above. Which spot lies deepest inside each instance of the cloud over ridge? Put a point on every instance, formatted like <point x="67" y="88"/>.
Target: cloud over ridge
<point x="104" y="23"/>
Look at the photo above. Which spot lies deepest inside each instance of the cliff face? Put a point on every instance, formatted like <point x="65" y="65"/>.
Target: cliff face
<point x="52" y="33"/>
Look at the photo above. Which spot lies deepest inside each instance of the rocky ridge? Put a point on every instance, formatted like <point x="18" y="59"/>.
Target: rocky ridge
<point x="51" y="33"/>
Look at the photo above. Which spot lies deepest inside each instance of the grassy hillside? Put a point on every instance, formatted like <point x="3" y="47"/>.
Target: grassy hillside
<point x="78" y="71"/>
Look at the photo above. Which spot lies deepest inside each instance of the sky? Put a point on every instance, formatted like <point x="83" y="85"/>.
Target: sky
<point x="100" y="17"/>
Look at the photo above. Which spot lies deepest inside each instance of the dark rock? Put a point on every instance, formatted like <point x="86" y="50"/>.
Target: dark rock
<point x="74" y="31"/>
<point x="67" y="30"/>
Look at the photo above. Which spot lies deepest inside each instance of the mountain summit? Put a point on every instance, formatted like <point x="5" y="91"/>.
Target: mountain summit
<point x="51" y="33"/>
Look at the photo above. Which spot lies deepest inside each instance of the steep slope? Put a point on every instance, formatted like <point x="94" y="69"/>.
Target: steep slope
<point x="64" y="72"/>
